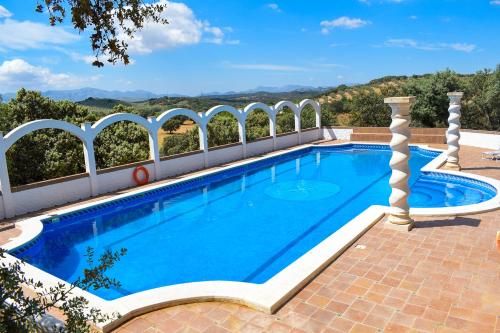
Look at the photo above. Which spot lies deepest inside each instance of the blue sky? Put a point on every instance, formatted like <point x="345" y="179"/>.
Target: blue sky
<point x="236" y="45"/>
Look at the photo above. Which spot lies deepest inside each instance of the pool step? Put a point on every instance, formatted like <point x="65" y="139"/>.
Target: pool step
<point x="383" y="134"/>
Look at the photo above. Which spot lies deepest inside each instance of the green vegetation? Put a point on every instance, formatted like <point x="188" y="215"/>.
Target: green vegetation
<point x="108" y="23"/>
<point x="20" y="312"/>
<point x="58" y="153"/>
<point x="362" y="105"/>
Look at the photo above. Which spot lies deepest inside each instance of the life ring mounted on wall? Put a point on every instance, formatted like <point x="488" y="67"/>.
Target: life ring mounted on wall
<point x="141" y="180"/>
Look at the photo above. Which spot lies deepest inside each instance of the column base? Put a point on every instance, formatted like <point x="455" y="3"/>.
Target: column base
<point x="452" y="166"/>
<point x="400" y="222"/>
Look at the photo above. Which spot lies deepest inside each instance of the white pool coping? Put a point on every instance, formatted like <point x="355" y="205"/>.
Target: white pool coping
<point x="267" y="297"/>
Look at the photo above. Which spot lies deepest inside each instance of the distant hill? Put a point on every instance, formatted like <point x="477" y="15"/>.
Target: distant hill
<point x="271" y="90"/>
<point x="104" y="103"/>
<point x="76" y="95"/>
<point x="83" y="94"/>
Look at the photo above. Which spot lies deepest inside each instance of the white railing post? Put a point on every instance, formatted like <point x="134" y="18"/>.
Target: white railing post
<point x="202" y="130"/>
<point x="154" y="147"/>
<point x="298" y="124"/>
<point x="242" y="132"/>
<point x="8" y="202"/>
<point x="89" y="154"/>
<point x="318" y="115"/>
<point x="453" y="133"/>
<point x="400" y="210"/>
<point x="272" y="127"/>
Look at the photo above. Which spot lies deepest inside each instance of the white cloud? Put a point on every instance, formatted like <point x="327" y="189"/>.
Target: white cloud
<point x="338" y="44"/>
<point x="23" y="35"/>
<point x="413" y="17"/>
<point x="343" y="22"/>
<point x="411" y="43"/>
<point x="4" y="12"/>
<point x="17" y="73"/>
<point x="274" y="6"/>
<point x="267" y="67"/>
<point x="495" y="2"/>
<point x="183" y="29"/>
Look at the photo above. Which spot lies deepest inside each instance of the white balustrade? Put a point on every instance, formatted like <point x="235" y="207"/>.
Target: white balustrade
<point x="88" y="132"/>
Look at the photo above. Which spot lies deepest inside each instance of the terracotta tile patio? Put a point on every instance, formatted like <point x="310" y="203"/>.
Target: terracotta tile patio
<point x="443" y="276"/>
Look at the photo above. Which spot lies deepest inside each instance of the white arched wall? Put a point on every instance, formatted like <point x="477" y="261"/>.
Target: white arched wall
<point x="91" y="183"/>
<point x="311" y="134"/>
<point x="215" y="156"/>
<point x="10" y="138"/>
<point x="261" y="146"/>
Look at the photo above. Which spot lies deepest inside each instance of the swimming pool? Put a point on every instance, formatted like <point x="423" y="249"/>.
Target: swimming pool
<point x="243" y="224"/>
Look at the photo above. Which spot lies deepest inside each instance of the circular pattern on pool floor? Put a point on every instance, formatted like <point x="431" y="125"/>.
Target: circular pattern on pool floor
<point x="302" y="190"/>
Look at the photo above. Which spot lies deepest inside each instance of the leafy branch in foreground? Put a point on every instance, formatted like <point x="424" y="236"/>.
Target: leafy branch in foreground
<point x="23" y="301"/>
<point x="111" y="22"/>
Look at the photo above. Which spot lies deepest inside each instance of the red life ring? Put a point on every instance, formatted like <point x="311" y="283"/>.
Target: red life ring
<point x="144" y="179"/>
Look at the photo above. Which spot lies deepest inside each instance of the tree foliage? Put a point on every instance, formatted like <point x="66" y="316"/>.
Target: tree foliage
<point x="257" y="125"/>
<point x="58" y="153"/>
<point x="222" y="129"/>
<point x="369" y="110"/>
<point x="174" y="124"/>
<point x="285" y="121"/>
<point x="363" y="104"/>
<point x="431" y="105"/>
<point x="110" y="22"/>
<point x="121" y="143"/>
<point x="20" y="311"/>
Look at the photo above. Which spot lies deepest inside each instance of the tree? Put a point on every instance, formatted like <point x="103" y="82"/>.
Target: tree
<point x="173" y="124"/>
<point x="257" y="125"/>
<point x="308" y="117"/>
<point x="56" y="152"/>
<point x="181" y="143"/>
<point x="369" y="110"/>
<point x="19" y="312"/>
<point x="431" y="105"/>
<point x="121" y="143"/>
<point x="59" y="153"/>
<point x="110" y="22"/>
<point x="222" y="129"/>
<point x="482" y="107"/>
<point x="285" y="121"/>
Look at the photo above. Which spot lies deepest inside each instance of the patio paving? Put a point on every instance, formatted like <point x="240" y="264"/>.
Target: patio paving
<point x="443" y="276"/>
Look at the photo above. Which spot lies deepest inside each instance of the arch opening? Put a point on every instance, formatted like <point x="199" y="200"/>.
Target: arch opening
<point x="257" y="125"/>
<point x="120" y="143"/>
<point x="285" y="121"/>
<point x="179" y="134"/>
<point x="222" y="129"/>
<point x="307" y="117"/>
<point x="44" y="154"/>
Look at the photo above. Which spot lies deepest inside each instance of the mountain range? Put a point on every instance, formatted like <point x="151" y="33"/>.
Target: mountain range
<point x="142" y="95"/>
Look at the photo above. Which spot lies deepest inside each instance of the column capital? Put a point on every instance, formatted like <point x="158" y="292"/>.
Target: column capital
<point x="399" y="100"/>
<point x="455" y="96"/>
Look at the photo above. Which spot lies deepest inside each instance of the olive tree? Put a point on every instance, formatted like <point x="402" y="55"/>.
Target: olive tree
<point x="110" y="22"/>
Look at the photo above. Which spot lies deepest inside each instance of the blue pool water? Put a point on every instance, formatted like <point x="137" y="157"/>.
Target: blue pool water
<point x="245" y="224"/>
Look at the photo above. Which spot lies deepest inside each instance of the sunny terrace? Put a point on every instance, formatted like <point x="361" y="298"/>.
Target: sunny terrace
<point x="318" y="229"/>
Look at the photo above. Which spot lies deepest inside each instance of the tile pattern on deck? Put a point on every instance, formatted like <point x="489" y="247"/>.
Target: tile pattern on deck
<point x="444" y="276"/>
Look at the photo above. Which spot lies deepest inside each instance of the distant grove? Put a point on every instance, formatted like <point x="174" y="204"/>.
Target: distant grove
<point x="47" y="154"/>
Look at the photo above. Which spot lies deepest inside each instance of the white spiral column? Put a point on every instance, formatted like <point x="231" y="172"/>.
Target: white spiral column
<point x="453" y="133"/>
<point x="400" y="210"/>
